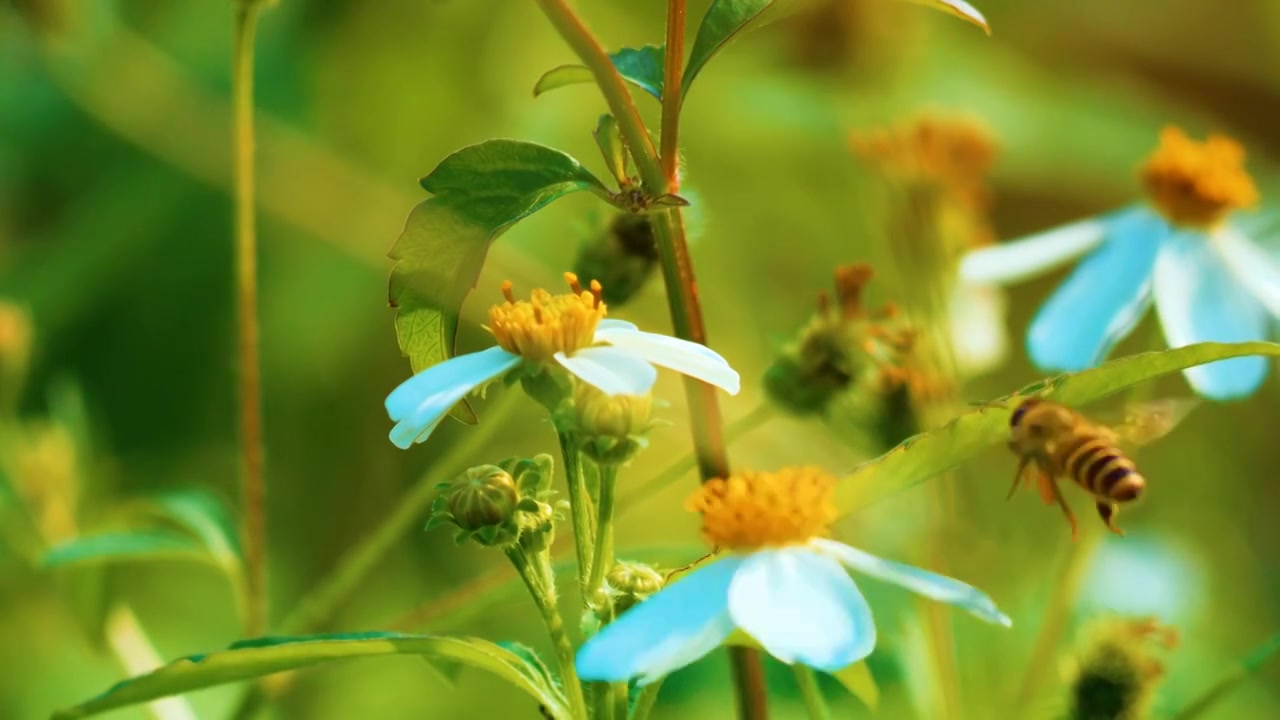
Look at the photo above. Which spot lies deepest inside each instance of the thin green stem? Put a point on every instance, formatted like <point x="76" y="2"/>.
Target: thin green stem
<point x="618" y="691"/>
<point x="579" y="38"/>
<point x="580" y="509"/>
<point x="602" y="559"/>
<point x="536" y="574"/>
<point x="812" y="694"/>
<point x="328" y="596"/>
<point x="252" y="483"/>
<point x="1232" y="680"/>
<point x="646" y="700"/>
<point x="1041" y="663"/>
<point x="673" y="74"/>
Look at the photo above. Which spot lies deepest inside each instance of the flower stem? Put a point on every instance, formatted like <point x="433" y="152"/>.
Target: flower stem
<point x="672" y="93"/>
<point x="584" y="533"/>
<point x="646" y="700"/>
<point x="1229" y="682"/>
<point x="812" y="694"/>
<point x="537" y="576"/>
<point x="1041" y="663"/>
<point x="579" y="38"/>
<point x="602" y="559"/>
<point x="252" y="483"/>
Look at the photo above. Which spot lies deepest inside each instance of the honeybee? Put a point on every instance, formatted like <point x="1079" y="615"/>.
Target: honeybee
<point x="1053" y="442"/>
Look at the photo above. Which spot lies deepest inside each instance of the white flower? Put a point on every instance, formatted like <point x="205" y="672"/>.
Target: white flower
<point x="620" y="361"/>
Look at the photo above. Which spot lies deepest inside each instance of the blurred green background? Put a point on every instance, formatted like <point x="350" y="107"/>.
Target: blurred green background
<point x="115" y="234"/>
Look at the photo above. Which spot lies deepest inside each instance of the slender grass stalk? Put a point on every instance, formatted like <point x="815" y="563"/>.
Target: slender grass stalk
<point x="645" y="701"/>
<point x="814" y="702"/>
<point x="602" y="559"/>
<point x="1247" y="667"/>
<point x="584" y="531"/>
<point x="536" y="573"/>
<point x="1042" y="663"/>
<point x="253" y="525"/>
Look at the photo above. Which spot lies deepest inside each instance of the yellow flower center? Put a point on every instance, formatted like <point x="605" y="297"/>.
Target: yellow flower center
<point x="752" y="510"/>
<point x="954" y="152"/>
<point x="1196" y="184"/>
<point x="538" y="328"/>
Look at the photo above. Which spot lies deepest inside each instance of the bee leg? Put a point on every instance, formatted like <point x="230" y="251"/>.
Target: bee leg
<point x="1017" y="477"/>
<point x="1108" y="512"/>
<point x="1066" y="510"/>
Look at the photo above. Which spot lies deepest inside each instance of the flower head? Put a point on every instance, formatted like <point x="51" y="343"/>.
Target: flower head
<point x="1185" y="253"/>
<point x="552" y="333"/>
<point x="1118" y="668"/>
<point x="780" y="582"/>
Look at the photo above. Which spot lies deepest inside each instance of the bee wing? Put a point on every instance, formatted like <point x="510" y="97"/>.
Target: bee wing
<point x="1147" y="422"/>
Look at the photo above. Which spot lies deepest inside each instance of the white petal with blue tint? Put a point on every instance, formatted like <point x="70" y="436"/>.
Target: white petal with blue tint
<point x="612" y="370"/>
<point x="1257" y="270"/>
<point x="1102" y="300"/>
<point x="802" y="607"/>
<point x="1200" y="300"/>
<point x="422" y="401"/>
<point x="684" y="621"/>
<point x="960" y="9"/>
<point x="979" y="337"/>
<point x="688" y="358"/>
<point x="1033" y="255"/>
<point x="610" y="324"/>
<point x="931" y="585"/>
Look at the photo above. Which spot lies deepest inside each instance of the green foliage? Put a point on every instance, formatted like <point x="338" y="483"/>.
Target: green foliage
<point x="478" y="193"/>
<point x="641" y="67"/>
<point x="126" y="546"/>
<point x="724" y="20"/>
<point x="928" y="454"/>
<point x="255" y="658"/>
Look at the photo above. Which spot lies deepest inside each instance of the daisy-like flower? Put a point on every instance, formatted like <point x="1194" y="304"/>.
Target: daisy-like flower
<point x="779" y="580"/>
<point x="567" y="331"/>
<point x="1181" y="250"/>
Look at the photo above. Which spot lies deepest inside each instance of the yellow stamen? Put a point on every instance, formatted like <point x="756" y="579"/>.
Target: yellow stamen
<point x="545" y="324"/>
<point x="752" y="510"/>
<point x="1197" y="184"/>
<point x="954" y="152"/>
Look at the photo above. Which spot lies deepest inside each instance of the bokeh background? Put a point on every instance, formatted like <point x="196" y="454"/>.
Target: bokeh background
<point x="115" y="235"/>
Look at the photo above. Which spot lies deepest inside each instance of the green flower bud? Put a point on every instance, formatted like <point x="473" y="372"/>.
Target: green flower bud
<point x="621" y="256"/>
<point x="533" y="476"/>
<point x="482" y="502"/>
<point x="610" y="428"/>
<point x="1116" y="672"/>
<point x="631" y="583"/>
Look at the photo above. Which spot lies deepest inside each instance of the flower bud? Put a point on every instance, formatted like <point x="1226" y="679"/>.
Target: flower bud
<point x="482" y="502"/>
<point x="621" y="256"/>
<point x="1117" y="670"/>
<point x="631" y="583"/>
<point x="610" y="428"/>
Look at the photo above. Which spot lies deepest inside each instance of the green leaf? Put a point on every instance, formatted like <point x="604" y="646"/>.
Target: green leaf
<point x="125" y="546"/>
<point x="201" y="514"/>
<point x="250" y="659"/>
<point x="724" y="20"/>
<point x="641" y="67"/>
<point x="479" y="192"/>
<point x="927" y="455"/>
<point x="612" y="148"/>
<point x="959" y="8"/>
<point x="857" y="679"/>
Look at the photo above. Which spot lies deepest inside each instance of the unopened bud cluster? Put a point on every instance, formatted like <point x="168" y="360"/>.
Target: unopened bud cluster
<point x="1118" y="668"/>
<point x="500" y="505"/>
<point x="609" y="429"/>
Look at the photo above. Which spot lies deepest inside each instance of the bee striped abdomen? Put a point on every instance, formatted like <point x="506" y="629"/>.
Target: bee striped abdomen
<point x="1097" y="466"/>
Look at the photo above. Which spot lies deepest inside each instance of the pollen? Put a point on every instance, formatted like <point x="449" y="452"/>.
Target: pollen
<point x="545" y="324"/>
<point x="753" y="510"/>
<point x="1197" y="184"/>
<point x="953" y="152"/>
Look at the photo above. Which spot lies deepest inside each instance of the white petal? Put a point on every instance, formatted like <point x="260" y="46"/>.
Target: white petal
<point x="1256" y="270"/>
<point x="930" y="585"/>
<point x="688" y="358"/>
<point x="1200" y="300"/>
<point x="802" y="607"/>
<point x="614" y="371"/>
<point x="684" y="621"/>
<point x="1019" y="260"/>
<point x="978" y="335"/>
<point x="422" y="401"/>
<point x="610" y="324"/>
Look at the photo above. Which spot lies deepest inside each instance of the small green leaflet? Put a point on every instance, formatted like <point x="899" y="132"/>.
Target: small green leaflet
<point x="125" y="546"/>
<point x="929" y="454"/>
<point x="641" y="67"/>
<point x="478" y="193"/>
<point x="251" y="659"/>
